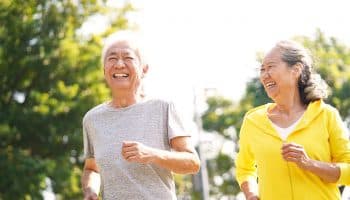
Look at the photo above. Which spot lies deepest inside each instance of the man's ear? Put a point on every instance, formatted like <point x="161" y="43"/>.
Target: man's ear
<point x="144" y="70"/>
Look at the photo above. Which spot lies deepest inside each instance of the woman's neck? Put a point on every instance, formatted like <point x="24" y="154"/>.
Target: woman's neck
<point x="289" y="103"/>
<point x="289" y="106"/>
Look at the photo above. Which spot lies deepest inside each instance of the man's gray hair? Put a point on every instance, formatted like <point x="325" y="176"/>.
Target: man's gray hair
<point x="128" y="36"/>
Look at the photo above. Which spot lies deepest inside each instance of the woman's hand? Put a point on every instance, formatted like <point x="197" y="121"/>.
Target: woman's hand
<point x="328" y="172"/>
<point x="90" y="195"/>
<point x="250" y="190"/>
<point x="253" y="197"/>
<point x="295" y="153"/>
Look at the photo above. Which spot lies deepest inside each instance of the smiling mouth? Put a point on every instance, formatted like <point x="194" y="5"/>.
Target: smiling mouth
<point x="120" y="75"/>
<point x="270" y="84"/>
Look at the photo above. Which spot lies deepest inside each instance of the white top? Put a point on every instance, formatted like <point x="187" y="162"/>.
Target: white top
<point x="285" y="132"/>
<point x="153" y="123"/>
<point x="346" y="193"/>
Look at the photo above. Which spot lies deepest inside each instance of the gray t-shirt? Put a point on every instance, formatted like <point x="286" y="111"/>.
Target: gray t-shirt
<point x="153" y="123"/>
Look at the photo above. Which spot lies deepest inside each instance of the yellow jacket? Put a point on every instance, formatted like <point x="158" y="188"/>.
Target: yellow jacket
<point x="322" y="134"/>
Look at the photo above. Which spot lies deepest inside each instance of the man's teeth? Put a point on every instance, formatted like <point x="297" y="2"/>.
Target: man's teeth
<point x="120" y="75"/>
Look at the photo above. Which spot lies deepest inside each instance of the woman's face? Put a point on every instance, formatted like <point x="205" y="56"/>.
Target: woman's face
<point x="122" y="67"/>
<point x="278" y="79"/>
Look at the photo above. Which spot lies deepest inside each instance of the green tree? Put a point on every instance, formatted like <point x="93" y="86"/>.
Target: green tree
<point x="50" y="77"/>
<point x="332" y="62"/>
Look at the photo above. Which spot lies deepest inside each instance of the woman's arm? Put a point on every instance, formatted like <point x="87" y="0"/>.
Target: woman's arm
<point x="246" y="172"/>
<point x="328" y="172"/>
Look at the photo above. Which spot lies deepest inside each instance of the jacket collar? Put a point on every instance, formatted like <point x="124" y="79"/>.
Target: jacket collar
<point x="258" y="117"/>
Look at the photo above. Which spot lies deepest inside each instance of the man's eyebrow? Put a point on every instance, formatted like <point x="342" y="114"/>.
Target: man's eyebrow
<point x="112" y="53"/>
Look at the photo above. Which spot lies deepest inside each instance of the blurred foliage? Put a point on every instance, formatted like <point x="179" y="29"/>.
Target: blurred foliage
<point x="184" y="187"/>
<point x="332" y="61"/>
<point x="51" y="76"/>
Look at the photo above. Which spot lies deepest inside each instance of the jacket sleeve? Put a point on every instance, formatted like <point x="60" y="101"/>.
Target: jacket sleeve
<point x="245" y="161"/>
<point x="339" y="145"/>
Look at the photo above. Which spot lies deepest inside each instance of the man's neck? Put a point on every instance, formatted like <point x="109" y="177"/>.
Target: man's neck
<point x="125" y="100"/>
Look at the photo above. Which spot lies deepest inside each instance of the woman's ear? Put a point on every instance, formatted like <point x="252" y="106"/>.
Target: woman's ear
<point x="298" y="69"/>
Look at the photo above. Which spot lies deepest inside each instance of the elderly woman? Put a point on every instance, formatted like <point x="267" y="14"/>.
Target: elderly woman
<point x="296" y="148"/>
<point x="133" y="145"/>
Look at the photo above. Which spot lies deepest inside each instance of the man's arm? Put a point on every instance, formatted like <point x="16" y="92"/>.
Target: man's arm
<point x="182" y="160"/>
<point x="91" y="180"/>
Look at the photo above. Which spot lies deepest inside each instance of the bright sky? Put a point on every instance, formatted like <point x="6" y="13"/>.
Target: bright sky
<point x="213" y="43"/>
<point x="196" y="44"/>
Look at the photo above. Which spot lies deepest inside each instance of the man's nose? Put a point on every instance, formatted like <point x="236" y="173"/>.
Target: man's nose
<point x="119" y="63"/>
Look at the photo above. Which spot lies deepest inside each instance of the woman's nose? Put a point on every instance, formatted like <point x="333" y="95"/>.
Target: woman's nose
<point x="265" y="73"/>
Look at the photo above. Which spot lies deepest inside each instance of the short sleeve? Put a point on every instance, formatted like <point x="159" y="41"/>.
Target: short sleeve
<point x="175" y="123"/>
<point x="88" y="147"/>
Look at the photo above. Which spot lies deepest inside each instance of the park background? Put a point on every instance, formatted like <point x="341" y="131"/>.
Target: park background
<point x="203" y="55"/>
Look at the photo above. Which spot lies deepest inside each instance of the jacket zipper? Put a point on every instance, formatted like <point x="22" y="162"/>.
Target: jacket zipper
<point x="289" y="171"/>
<point x="290" y="181"/>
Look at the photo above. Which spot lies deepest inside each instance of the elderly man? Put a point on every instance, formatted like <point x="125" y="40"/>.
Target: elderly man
<point x="133" y="145"/>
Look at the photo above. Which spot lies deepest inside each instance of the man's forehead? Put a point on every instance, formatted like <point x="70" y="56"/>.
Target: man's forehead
<point x="120" y="49"/>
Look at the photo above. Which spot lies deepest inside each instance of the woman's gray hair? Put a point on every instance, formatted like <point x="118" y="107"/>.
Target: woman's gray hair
<point x="310" y="84"/>
<point x="128" y="36"/>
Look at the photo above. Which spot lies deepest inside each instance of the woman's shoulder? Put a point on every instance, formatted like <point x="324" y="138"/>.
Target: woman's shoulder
<point x="258" y="111"/>
<point x="323" y="106"/>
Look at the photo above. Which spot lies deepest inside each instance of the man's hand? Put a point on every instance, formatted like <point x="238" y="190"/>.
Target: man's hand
<point x="91" y="180"/>
<point x="137" y="152"/>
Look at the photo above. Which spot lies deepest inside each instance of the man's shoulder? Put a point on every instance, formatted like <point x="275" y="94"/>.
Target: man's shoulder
<point x="158" y="102"/>
<point x="95" y="111"/>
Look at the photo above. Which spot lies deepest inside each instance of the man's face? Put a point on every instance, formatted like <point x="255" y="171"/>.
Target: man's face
<point x="122" y="68"/>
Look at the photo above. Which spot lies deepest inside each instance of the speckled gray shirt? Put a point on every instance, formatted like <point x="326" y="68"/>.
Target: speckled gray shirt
<point x="153" y="123"/>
